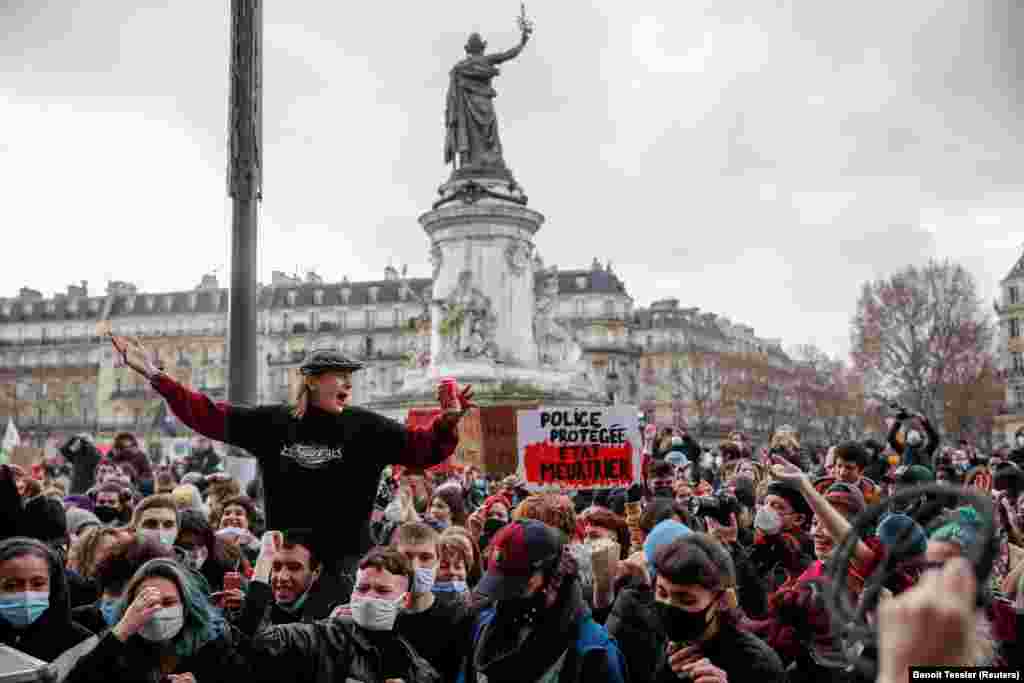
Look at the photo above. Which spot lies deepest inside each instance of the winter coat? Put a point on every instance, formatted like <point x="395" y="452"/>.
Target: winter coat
<point x="136" y="661"/>
<point x="632" y="622"/>
<point x="327" y="651"/>
<point x="743" y="657"/>
<point x="54" y="631"/>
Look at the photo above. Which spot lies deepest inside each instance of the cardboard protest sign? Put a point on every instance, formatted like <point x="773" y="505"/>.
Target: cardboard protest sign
<point x="579" y="448"/>
<point x="487" y="437"/>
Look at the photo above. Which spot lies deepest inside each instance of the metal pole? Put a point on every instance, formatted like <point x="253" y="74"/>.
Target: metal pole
<point x="245" y="189"/>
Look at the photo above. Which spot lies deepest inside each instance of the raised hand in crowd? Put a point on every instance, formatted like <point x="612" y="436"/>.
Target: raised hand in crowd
<point x="133" y="354"/>
<point x="147" y="603"/>
<point x="725" y="534"/>
<point x="932" y="624"/>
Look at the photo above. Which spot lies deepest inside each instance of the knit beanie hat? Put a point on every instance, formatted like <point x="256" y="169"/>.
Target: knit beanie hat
<point x="846" y="496"/>
<point x="664" y="533"/>
<point x="902" y="535"/>
<point x="961" y="529"/>
<point x="78" y="519"/>
<point x="916" y="474"/>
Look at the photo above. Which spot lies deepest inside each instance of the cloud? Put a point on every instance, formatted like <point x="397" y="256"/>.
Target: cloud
<point x="758" y="160"/>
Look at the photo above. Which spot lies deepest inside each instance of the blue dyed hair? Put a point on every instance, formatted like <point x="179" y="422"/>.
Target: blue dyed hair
<point x="204" y="623"/>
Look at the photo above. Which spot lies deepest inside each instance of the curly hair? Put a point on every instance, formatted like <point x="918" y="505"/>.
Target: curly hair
<point x="554" y="509"/>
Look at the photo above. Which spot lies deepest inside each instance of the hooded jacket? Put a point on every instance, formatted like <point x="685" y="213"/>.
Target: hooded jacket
<point x="54" y="631"/>
<point x="331" y="650"/>
<point x="84" y="457"/>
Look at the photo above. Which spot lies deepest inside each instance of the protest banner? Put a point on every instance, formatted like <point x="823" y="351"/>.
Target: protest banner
<point x="579" y="448"/>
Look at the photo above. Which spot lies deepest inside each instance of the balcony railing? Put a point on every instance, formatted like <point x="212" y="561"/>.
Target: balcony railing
<point x="133" y="393"/>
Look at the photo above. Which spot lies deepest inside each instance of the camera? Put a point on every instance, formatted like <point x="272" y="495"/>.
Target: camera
<point x="900" y="412"/>
<point x="720" y="508"/>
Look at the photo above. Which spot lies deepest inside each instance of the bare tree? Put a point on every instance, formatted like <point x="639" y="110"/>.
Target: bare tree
<point x="913" y="333"/>
<point x="698" y="381"/>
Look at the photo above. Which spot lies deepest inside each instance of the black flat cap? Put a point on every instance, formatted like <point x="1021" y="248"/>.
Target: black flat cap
<point x="320" y="362"/>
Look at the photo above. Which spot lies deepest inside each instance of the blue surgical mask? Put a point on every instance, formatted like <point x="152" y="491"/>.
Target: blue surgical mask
<point x="23" y="609"/>
<point x="450" y="587"/>
<point x="107" y="608"/>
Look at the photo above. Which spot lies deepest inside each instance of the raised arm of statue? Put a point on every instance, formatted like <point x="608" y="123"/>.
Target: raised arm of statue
<point x="499" y="57"/>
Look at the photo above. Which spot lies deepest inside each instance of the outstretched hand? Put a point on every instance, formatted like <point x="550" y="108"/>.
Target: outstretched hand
<point x="783" y="470"/>
<point x="450" y="419"/>
<point x="132" y="353"/>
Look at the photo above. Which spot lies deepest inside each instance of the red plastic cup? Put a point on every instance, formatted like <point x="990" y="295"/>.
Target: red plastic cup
<point x="449" y="394"/>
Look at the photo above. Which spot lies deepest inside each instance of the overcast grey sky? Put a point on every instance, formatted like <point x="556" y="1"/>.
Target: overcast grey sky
<point x="755" y="159"/>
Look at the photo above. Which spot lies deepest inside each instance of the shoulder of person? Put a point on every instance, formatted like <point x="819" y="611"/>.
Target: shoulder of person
<point x="757" y="657"/>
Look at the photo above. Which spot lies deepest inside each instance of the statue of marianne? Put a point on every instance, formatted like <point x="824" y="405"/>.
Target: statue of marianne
<point x="472" y="125"/>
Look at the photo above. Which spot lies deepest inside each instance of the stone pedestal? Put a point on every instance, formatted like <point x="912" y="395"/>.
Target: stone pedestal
<point x="483" y="294"/>
<point x="486" y="319"/>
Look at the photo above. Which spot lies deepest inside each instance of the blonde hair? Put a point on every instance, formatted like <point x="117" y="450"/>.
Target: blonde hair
<point x="88" y="543"/>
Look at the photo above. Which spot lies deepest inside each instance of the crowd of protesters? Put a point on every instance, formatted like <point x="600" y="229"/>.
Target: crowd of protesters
<point x="355" y="557"/>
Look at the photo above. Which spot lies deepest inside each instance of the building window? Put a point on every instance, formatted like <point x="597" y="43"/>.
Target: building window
<point x="1017" y="359"/>
<point x="1014" y="328"/>
<point x="1018" y="397"/>
<point x="369" y="320"/>
<point x="581" y="283"/>
<point x="1013" y="295"/>
<point x="292" y="296"/>
<point x="318" y="297"/>
<point x="315" y="322"/>
<point x="581" y="307"/>
<point x="373" y="294"/>
<point x="287" y="323"/>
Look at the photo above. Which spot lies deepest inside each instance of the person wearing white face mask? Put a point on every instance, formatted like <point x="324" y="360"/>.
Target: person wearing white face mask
<point x="360" y="643"/>
<point x="439" y="630"/>
<point x="35" y="613"/>
<point x="165" y="629"/>
<point x="156" y="517"/>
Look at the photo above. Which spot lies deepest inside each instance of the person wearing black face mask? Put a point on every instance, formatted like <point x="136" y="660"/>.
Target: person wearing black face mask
<point x="540" y="627"/>
<point x="698" y="637"/>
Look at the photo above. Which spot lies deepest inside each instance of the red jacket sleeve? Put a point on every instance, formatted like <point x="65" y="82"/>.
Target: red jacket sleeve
<point x="428" y="446"/>
<point x="194" y="409"/>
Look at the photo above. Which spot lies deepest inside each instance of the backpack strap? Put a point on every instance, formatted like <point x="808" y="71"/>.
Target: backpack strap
<point x="485" y="617"/>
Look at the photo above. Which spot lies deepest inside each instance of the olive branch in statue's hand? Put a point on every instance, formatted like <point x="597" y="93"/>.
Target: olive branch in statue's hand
<point x="525" y="25"/>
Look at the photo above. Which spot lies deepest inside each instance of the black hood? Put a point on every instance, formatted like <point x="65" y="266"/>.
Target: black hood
<point x="60" y="602"/>
<point x="46" y="520"/>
